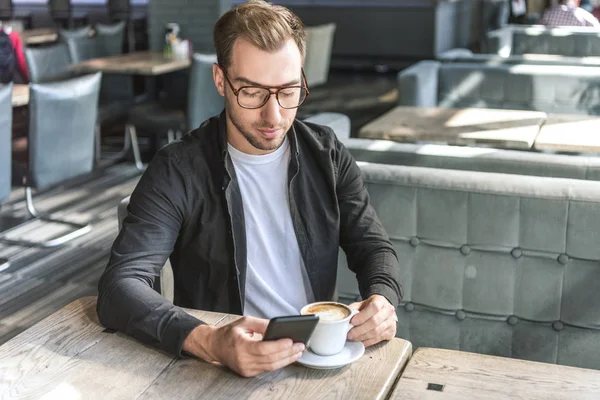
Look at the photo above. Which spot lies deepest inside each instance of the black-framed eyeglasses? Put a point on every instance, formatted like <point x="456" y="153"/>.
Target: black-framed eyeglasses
<point x="253" y="97"/>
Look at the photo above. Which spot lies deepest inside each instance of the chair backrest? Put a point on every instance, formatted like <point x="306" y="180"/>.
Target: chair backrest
<point x="83" y="32"/>
<point x="5" y="140"/>
<point x="553" y="89"/>
<point x="6" y="8"/>
<point x="118" y="8"/>
<point x="47" y="63"/>
<point x="340" y="123"/>
<point x="204" y="101"/>
<point x="563" y="42"/>
<point x="82" y="48"/>
<point x="59" y="7"/>
<point x="474" y="159"/>
<point x="498" y="264"/>
<point x="62" y="118"/>
<point x="319" y="42"/>
<point x="110" y="38"/>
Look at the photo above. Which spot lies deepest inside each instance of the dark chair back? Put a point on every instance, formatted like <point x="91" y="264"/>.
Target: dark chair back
<point x="118" y="9"/>
<point x="82" y="48"/>
<point x="5" y="140"/>
<point x="204" y="100"/>
<point x="6" y="9"/>
<point x="61" y="129"/>
<point x="59" y="7"/>
<point x="109" y="42"/>
<point x="48" y="63"/>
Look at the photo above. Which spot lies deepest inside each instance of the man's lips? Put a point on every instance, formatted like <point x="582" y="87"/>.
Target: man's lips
<point x="269" y="133"/>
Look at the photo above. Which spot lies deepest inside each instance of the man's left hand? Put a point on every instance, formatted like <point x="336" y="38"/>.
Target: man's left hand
<point x="376" y="321"/>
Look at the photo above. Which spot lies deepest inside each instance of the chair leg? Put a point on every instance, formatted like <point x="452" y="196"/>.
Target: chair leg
<point x="4" y="264"/>
<point x="135" y="147"/>
<point x="78" y="229"/>
<point x="97" y="144"/>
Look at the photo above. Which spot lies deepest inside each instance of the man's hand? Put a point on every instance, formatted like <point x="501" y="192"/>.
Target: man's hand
<point x="376" y="321"/>
<point x="236" y="346"/>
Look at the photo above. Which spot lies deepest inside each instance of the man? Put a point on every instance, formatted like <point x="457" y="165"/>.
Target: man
<point x="568" y="13"/>
<point x="251" y="208"/>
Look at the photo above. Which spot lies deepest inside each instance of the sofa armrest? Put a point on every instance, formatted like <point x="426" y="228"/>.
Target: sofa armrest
<point x="499" y="42"/>
<point x="418" y="84"/>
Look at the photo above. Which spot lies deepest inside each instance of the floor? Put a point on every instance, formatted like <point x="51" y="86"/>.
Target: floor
<point x="41" y="281"/>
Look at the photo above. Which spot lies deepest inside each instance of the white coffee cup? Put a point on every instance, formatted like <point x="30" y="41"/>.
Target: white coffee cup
<point x="329" y="337"/>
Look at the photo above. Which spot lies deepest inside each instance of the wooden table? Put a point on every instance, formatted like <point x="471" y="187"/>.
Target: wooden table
<point x="137" y="63"/>
<point x="70" y="355"/>
<point x="470" y="126"/>
<point x="576" y="133"/>
<point x="39" y="36"/>
<point x="20" y="95"/>
<point x="476" y="376"/>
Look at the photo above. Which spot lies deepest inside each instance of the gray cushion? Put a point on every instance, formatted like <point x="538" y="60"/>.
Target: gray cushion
<point x="62" y="118"/>
<point x="48" y="63"/>
<point x="493" y="263"/>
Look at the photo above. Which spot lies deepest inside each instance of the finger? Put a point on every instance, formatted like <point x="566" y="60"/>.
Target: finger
<point x="267" y="347"/>
<point x="372" y="308"/>
<point x="252" y="324"/>
<point x="276" y="357"/>
<point x="387" y="335"/>
<point x="280" y="363"/>
<point x="376" y="331"/>
<point x="376" y="320"/>
<point x="356" y="306"/>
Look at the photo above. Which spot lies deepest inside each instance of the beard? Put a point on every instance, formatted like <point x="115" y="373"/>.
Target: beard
<point x="258" y="142"/>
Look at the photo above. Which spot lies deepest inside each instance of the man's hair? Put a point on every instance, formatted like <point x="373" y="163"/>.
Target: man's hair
<point x="263" y="24"/>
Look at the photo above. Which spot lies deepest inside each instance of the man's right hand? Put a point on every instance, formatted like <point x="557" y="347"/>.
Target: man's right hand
<point x="237" y="346"/>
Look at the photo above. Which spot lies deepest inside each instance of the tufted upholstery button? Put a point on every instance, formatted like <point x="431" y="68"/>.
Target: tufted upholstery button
<point x="512" y="320"/>
<point x="409" y="307"/>
<point x="558" y="326"/>
<point x="516" y="252"/>
<point x="414" y="241"/>
<point x="563" y="259"/>
<point x="461" y="315"/>
<point x="465" y="249"/>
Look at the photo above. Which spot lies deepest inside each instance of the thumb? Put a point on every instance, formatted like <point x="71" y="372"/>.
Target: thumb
<point x="356" y="306"/>
<point x="254" y="325"/>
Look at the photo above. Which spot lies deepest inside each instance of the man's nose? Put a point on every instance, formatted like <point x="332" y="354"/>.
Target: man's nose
<point x="271" y="111"/>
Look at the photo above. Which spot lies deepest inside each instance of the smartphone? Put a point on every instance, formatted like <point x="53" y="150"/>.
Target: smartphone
<point x="299" y="328"/>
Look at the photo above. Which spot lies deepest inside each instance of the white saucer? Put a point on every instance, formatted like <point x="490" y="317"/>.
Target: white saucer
<point x="351" y="352"/>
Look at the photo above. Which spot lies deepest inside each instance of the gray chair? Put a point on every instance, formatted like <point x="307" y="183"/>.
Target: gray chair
<point x="62" y="116"/>
<point x="498" y="264"/>
<point x="340" y="123"/>
<point x="48" y="63"/>
<point x="121" y="11"/>
<point x="84" y="31"/>
<point x="163" y="284"/>
<point x="5" y="149"/>
<point x="467" y="56"/>
<point x="159" y="120"/>
<point x="475" y="159"/>
<point x="319" y="41"/>
<point x="548" y="88"/>
<point x="61" y="11"/>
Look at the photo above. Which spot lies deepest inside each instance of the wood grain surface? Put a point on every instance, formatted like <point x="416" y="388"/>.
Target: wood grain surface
<point x="499" y="128"/>
<point x="477" y="376"/>
<point x="136" y="63"/>
<point x="70" y="355"/>
<point x="39" y="36"/>
<point x="570" y="133"/>
<point x="20" y="95"/>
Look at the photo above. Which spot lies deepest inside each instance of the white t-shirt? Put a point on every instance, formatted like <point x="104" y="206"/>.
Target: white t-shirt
<point x="276" y="279"/>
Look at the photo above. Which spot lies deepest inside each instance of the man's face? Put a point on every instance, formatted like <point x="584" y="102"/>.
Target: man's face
<point x="262" y="130"/>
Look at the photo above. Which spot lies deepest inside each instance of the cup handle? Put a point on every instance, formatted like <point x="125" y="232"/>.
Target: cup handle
<point x="352" y="314"/>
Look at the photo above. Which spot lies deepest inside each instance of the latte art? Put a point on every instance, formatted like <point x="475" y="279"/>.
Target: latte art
<point x="329" y="312"/>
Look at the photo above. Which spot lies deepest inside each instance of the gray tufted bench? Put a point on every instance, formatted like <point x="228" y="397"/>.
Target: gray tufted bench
<point x="492" y="263"/>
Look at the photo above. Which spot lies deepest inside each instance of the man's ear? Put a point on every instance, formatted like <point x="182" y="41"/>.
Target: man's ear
<point x="219" y="79"/>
